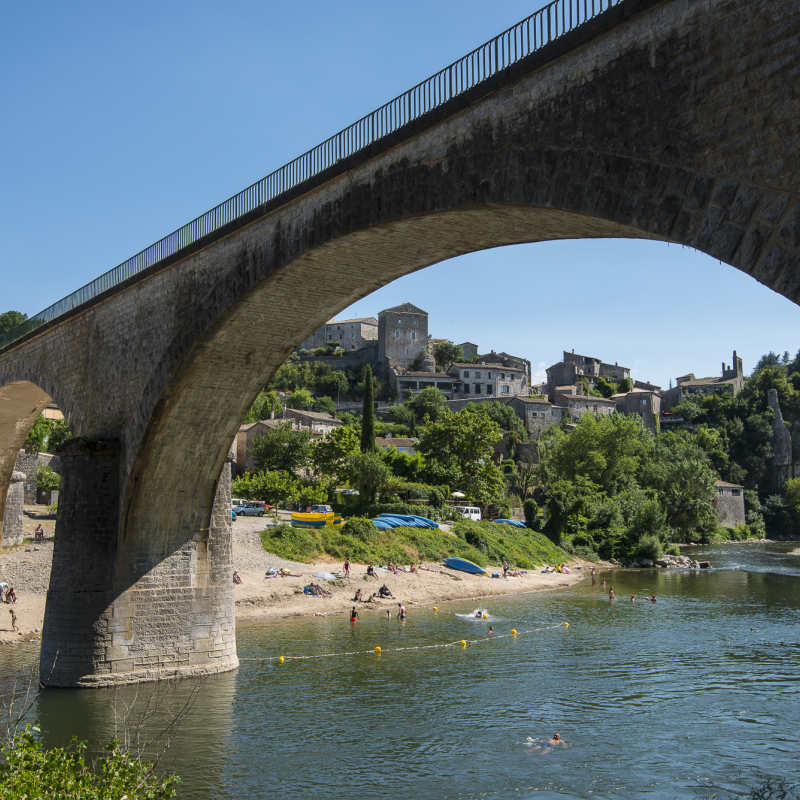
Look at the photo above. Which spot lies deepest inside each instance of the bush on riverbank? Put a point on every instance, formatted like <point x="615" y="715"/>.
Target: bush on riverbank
<point x="480" y="542"/>
<point x="28" y="769"/>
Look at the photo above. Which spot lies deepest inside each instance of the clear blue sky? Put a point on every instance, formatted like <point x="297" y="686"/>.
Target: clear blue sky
<point x="123" y="121"/>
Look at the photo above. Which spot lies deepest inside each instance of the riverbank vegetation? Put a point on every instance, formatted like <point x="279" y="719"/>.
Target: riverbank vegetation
<point x="359" y="540"/>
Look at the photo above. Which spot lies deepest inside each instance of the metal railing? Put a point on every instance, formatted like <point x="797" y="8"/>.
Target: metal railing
<point x="519" y="41"/>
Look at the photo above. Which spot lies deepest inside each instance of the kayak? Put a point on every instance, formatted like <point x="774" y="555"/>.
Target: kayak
<point x="315" y="519"/>
<point x="464" y="566"/>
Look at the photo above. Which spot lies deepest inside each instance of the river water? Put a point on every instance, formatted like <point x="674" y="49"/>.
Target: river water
<point x="665" y="700"/>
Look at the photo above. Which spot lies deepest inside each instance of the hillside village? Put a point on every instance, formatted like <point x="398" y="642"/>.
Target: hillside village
<point x="400" y="351"/>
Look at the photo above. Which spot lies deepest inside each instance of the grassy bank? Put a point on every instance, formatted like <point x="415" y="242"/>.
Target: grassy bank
<point x="481" y="542"/>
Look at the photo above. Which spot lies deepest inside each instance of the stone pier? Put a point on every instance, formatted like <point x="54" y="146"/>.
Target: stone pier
<point x="12" y="515"/>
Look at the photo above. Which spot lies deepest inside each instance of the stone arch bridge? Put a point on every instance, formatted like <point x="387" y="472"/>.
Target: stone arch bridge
<point x="674" y="120"/>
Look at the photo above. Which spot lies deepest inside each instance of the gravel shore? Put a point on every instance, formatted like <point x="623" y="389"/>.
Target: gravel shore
<point x="27" y="568"/>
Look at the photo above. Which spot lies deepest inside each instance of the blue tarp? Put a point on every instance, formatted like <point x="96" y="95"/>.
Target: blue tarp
<point x="514" y="522"/>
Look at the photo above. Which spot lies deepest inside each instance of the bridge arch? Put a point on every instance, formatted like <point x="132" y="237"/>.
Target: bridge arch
<point x="26" y="389"/>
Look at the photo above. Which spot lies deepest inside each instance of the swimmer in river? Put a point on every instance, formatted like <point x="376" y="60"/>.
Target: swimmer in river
<point x="547" y="745"/>
<point x="611" y="595"/>
<point x="478" y="614"/>
<point x="604" y="583"/>
<point x="353" y="614"/>
<point x="653" y="599"/>
<point x="401" y="614"/>
<point x="594" y="576"/>
<point x="633" y="598"/>
<point x="491" y="631"/>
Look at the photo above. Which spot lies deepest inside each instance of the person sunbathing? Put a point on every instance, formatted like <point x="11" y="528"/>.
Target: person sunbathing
<point x="371" y="571"/>
<point x="384" y="592"/>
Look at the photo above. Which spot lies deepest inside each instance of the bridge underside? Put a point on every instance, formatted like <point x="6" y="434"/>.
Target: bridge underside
<point x="681" y="125"/>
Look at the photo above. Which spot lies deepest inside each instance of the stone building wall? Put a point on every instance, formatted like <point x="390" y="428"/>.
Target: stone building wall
<point x="29" y="464"/>
<point x="402" y="334"/>
<point x="730" y="510"/>
<point x="12" y="515"/>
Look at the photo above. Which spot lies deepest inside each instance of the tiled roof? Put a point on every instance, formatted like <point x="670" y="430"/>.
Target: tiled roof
<point x="442" y="376"/>
<point x="404" y="308"/>
<point x="707" y="382"/>
<point x="478" y="366"/>
<point x="588" y="398"/>
<point x="320" y="415"/>
<point x="393" y="441"/>
<point x="726" y="485"/>
<point x="532" y="400"/>
<point x="370" y="320"/>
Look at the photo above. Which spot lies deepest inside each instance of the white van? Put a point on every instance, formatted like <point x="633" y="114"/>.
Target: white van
<point x="468" y="512"/>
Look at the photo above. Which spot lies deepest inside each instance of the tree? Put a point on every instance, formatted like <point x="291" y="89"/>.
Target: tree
<point x="329" y="454"/>
<point x="299" y="399"/>
<point x="368" y="472"/>
<point x="272" y="487"/>
<point x="428" y="403"/>
<point x="368" y="414"/>
<point x="607" y="450"/>
<point x="606" y="388"/>
<point x="324" y="405"/>
<point x="502" y="415"/>
<point x="36" y="440"/>
<point x="265" y="406"/>
<point x="10" y="320"/>
<point x="282" y="449"/>
<point x="460" y="447"/>
<point x="445" y="353"/>
<point x="768" y="360"/>
<point x="46" y="479"/>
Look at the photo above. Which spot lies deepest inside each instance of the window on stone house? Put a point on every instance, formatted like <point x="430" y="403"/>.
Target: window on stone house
<point x="330" y="337"/>
<point x="489" y="389"/>
<point x="541" y="415"/>
<point x="735" y="492"/>
<point x="415" y="322"/>
<point x="643" y="402"/>
<point x="505" y="390"/>
<point x="406" y="351"/>
<point x="595" y="408"/>
<point x="477" y="374"/>
<point x="466" y="374"/>
<point x="399" y="322"/>
<point x="477" y="388"/>
<point x="466" y="388"/>
<point x="413" y="334"/>
<point x="397" y="334"/>
<point x="352" y="347"/>
<point x="502" y="376"/>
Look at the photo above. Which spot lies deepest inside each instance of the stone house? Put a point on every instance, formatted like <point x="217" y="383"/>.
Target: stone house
<point x="577" y="405"/>
<point x="729" y="504"/>
<point x="508" y="360"/>
<point x="424" y="378"/>
<point x="491" y="379"/>
<point x="317" y="421"/>
<point x="247" y="434"/>
<point x="647" y="404"/>
<point x="469" y="349"/>
<point x="400" y="443"/>
<point x="537" y="413"/>
<point x="352" y="334"/>
<point x="731" y="381"/>
<point x="575" y="367"/>
<point x="402" y="334"/>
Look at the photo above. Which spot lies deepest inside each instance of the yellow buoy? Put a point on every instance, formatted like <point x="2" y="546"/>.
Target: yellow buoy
<point x="435" y="609"/>
<point x="377" y="651"/>
<point x="566" y="624"/>
<point x="513" y="632"/>
<point x="486" y="616"/>
<point x="463" y="642"/>
<point x="281" y="659"/>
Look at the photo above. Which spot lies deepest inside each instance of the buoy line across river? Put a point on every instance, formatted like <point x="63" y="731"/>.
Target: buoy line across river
<point x="380" y="651"/>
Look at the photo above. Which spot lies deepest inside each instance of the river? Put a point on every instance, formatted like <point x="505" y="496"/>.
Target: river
<point x="665" y="700"/>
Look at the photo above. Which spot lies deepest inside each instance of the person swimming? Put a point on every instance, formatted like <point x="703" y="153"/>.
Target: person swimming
<point x="353" y="614"/>
<point x="547" y="745"/>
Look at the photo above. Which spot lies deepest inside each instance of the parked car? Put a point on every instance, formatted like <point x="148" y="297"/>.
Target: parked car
<point x="254" y="508"/>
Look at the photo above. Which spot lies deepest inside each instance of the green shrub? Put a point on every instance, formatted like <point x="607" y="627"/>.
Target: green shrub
<point x="28" y="770"/>
<point x="672" y="550"/>
<point x="361" y="529"/>
<point x="648" y="546"/>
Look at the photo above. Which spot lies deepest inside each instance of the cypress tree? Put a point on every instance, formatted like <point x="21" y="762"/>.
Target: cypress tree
<point x="368" y="415"/>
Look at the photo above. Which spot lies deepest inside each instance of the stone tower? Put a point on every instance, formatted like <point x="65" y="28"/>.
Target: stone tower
<point x="402" y="334"/>
<point x="782" y="443"/>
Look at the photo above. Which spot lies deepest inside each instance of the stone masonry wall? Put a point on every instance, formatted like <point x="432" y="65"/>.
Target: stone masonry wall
<point x="12" y="515"/>
<point x="730" y="510"/>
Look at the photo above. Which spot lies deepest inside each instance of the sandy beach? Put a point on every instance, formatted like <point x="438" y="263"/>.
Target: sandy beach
<point x="27" y="568"/>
